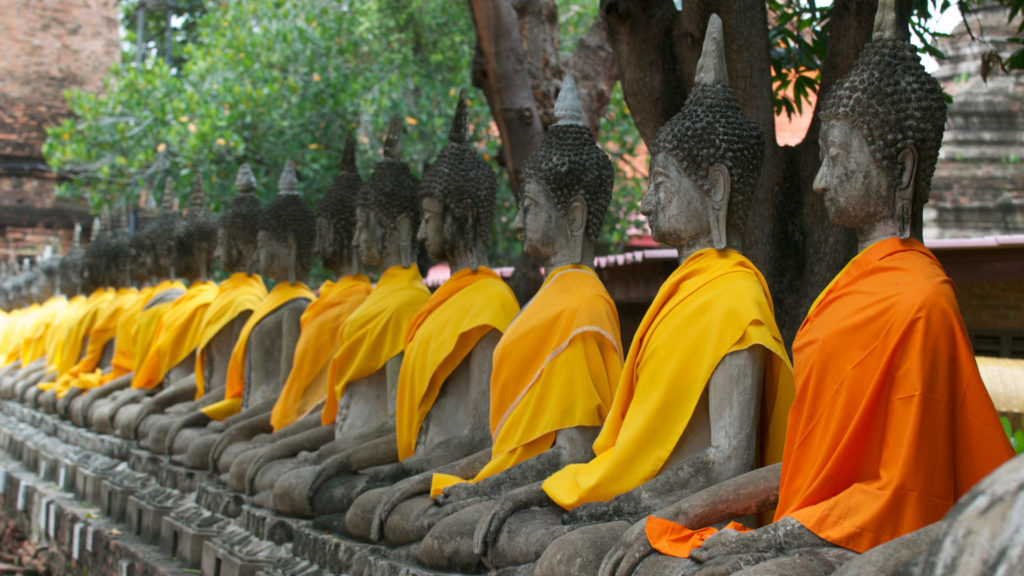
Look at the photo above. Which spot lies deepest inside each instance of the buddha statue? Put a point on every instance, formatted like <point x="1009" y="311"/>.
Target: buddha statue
<point x="236" y="298"/>
<point x="706" y="381"/>
<point x="155" y="245"/>
<point x="296" y="416"/>
<point x="443" y="394"/>
<point x="363" y="373"/>
<point x="555" y="368"/>
<point x="881" y="360"/>
<point x="170" y="361"/>
<point x="262" y="356"/>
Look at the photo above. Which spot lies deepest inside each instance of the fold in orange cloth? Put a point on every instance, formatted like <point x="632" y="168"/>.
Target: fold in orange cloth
<point x="675" y="540"/>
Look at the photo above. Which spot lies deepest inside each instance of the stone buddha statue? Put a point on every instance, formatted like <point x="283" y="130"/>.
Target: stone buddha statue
<point x="881" y="358"/>
<point x="262" y="357"/>
<point x="443" y="396"/>
<point x="363" y="374"/>
<point x="170" y="362"/>
<point x="694" y="403"/>
<point x="237" y="297"/>
<point x="155" y="246"/>
<point x="296" y="416"/>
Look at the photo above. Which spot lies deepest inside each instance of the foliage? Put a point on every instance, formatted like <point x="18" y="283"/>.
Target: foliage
<point x="1016" y="436"/>
<point x="176" y="20"/>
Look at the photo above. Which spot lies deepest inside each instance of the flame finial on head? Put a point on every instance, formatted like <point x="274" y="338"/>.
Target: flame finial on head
<point x="169" y="198"/>
<point x="119" y="219"/>
<point x="711" y="68"/>
<point x="885" y="21"/>
<point x="289" y="183"/>
<point x="76" y="237"/>
<point x="568" y="109"/>
<point x="97" y="225"/>
<point x="245" y="182"/>
<point x="393" y="141"/>
<point x="348" y="156"/>
<point x="458" y="132"/>
<point x="197" y="198"/>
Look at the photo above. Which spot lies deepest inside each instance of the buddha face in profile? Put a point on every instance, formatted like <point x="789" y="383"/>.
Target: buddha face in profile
<point x="367" y="237"/>
<point x="678" y="210"/>
<point x="540" y="224"/>
<point x="276" y="258"/>
<point x="432" y="228"/>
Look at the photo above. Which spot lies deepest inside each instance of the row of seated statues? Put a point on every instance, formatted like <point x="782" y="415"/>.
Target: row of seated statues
<point x="467" y="434"/>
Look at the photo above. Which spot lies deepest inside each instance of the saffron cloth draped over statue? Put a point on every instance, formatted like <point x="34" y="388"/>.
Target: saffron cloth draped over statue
<point x="891" y="423"/>
<point x="445" y="331"/>
<point x="375" y="332"/>
<point x="283" y="293"/>
<point x="238" y="294"/>
<point x="321" y="322"/>
<point x="556" y="367"/>
<point x="176" y="336"/>
<point x="722" y="301"/>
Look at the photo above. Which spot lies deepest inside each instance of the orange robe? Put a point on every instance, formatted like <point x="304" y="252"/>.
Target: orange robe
<point x="234" y="387"/>
<point x="149" y="320"/>
<point x="321" y="322"/>
<point x="374" y="333"/>
<point x="444" y="332"/>
<point x="177" y="335"/>
<point x="715" y="303"/>
<point x="239" y="294"/>
<point x="556" y="367"/>
<point x="891" y="423"/>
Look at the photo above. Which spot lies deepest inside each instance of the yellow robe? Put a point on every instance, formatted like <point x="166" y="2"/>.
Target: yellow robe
<point x="176" y="336"/>
<point x="238" y="294"/>
<point x="283" y="293"/>
<point x="468" y="306"/>
<point x="149" y="320"/>
<point x="715" y="303"/>
<point x="33" y="347"/>
<point x="124" y="343"/>
<point x="321" y="322"/>
<point x="375" y="332"/>
<point x="61" y="326"/>
<point x="71" y="347"/>
<point x="556" y="367"/>
<point x="104" y="329"/>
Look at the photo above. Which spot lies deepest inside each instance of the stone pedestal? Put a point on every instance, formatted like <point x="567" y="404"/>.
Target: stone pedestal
<point x="217" y="498"/>
<point x="235" y="552"/>
<point x="146" y="511"/>
<point x="186" y="529"/>
<point x="117" y="488"/>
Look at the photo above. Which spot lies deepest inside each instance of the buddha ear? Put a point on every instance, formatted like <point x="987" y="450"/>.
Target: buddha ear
<point x="906" y="165"/>
<point x="721" y="188"/>
<point x="577" y="216"/>
<point x="403" y="225"/>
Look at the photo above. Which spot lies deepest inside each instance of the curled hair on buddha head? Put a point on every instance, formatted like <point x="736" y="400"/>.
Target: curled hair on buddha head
<point x="711" y="129"/>
<point x="893" y="102"/>
<point x="338" y="206"/>
<point x="568" y="163"/>
<point x="289" y="217"/>
<point x="95" y="267"/>
<point x="199" y="234"/>
<point x="391" y="190"/>
<point x="243" y="217"/>
<point x="463" y="182"/>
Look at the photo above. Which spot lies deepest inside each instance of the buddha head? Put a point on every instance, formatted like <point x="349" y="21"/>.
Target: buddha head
<point x="162" y="234"/>
<point x="193" y="254"/>
<point x="49" y="276"/>
<point x="94" y="264"/>
<point x="705" y="161"/>
<point x="336" y="215"/>
<point x="239" y="226"/>
<point x="881" y="130"/>
<point x="120" y="265"/>
<point x="287" y="233"/>
<point x="457" y="197"/>
<point x="567" y="185"/>
<point x="388" y="208"/>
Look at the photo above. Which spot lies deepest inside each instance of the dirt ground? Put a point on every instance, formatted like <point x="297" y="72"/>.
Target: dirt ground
<point x="18" y="554"/>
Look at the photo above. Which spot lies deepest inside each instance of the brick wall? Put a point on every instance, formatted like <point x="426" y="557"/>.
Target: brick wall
<point x="996" y="305"/>
<point x="49" y="46"/>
